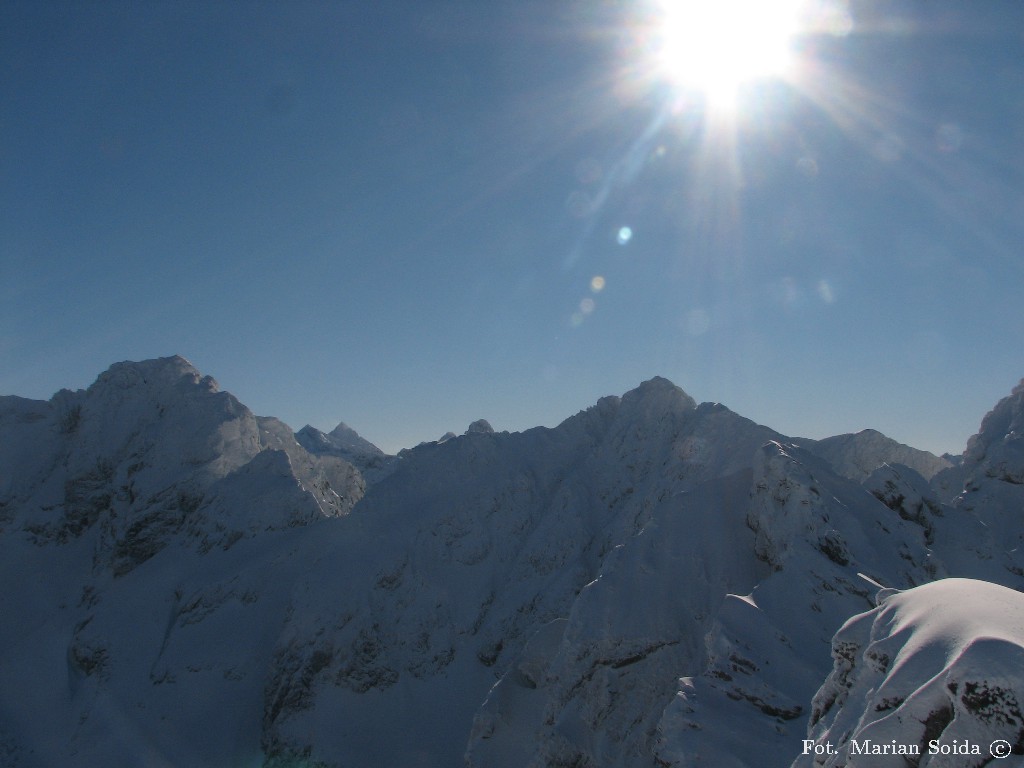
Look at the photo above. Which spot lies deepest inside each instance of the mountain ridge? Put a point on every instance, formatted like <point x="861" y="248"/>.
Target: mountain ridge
<point x="638" y="586"/>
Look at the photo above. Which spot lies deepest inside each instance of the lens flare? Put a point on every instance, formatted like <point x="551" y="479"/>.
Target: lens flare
<point x="716" y="47"/>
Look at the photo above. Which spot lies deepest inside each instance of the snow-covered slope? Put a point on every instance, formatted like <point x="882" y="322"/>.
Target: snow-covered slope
<point x="651" y="583"/>
<point x="933" y="676"/>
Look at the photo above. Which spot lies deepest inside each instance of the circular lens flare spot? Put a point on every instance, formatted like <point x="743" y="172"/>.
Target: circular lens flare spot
<point x="808" y="166"/>
<point x="597" y="283"/>
<point x="624" y="236"/>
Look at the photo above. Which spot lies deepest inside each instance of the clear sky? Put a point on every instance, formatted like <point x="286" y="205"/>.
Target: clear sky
<point x="410" y="215"/>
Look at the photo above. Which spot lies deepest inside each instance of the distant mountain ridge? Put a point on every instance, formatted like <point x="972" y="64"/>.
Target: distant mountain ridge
<point x="653" y="582"/>
<point x="857" y="455"/>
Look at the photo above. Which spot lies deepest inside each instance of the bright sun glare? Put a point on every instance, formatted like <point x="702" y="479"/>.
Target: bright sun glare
<point x="716" y="46"/>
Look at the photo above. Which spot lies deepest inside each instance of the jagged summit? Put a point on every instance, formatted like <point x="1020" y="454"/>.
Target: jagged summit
<point x="346" y="444"/>
<point x="996" y="452"/>
<point x="342" y="439"/>
<point x="344" y="436"/>
<point x="134" y="390"/>
<point x="988" y="484"/>
<point x="167" y="370"/>
<point x="1000" y="441"/>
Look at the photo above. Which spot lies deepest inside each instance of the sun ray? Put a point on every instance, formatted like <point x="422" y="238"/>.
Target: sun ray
<point x="885" y="129"/>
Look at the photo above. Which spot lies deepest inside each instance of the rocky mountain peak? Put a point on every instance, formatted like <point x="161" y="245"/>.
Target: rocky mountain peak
<point x="162" y="370"/>
<point x="1002" y="425"/>
<point x="998" y="448"/>
<point x="343" y="436"/>
<point x="480" y="427"/>
<point x="657" y="394"/>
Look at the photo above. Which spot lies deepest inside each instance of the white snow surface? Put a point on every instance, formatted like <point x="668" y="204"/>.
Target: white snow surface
<point x="929" y="670"/>
<point x="651" y="583"/>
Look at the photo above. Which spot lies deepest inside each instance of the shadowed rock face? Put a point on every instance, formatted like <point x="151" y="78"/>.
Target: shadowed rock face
<point x="997" y="450"/>
<point x="651" y="582"/>
<point x="988" y="485"/>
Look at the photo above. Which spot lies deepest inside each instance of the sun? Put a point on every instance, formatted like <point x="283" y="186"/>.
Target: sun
<point x="716" y="46"/>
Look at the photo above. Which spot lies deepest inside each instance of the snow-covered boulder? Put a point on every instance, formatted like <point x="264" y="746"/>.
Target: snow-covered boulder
<point x="933" y="676"/>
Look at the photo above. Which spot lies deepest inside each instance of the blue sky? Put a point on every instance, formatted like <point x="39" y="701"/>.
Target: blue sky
<point x="393" y="214"/>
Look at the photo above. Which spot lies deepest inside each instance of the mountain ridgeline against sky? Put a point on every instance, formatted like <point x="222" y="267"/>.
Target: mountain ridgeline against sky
<point x="653" y="582"/>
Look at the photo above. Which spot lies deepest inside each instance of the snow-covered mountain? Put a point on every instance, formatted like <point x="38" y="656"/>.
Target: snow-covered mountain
<point x="347" y="444"/>
<point x="651" y="583"/>
<point x="856" y="456"/>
